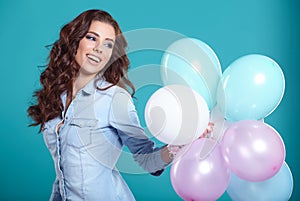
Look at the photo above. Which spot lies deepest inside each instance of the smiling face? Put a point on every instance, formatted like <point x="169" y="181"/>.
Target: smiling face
<point x="95" y="48"/>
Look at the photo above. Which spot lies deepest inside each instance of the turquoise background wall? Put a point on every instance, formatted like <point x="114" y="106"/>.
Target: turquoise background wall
<point x="232" y="28"/>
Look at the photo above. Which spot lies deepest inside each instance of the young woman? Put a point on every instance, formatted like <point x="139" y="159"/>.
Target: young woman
<point x="86" y="114"/>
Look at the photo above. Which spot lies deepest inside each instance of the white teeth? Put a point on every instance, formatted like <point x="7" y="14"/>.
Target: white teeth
<point x="94" y="58"/>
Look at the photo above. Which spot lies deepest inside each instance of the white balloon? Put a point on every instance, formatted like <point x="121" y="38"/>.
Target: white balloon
<point x="176" y="114"/>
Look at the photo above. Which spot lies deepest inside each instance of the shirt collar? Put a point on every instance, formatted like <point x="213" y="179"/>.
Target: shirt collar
<point x="90" y="87"/>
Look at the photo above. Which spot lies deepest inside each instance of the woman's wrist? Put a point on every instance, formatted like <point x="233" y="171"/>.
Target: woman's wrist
<point x="166" y="156"/>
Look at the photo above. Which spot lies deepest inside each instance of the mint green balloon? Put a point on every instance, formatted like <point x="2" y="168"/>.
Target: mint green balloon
<point x="253" y="87"/>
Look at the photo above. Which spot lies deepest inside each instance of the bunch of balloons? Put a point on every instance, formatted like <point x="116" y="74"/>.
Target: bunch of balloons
<point x="243" y="155"/>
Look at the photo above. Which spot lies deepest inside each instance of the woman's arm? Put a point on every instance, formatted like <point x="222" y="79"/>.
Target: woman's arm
<point x="123" y="117"/>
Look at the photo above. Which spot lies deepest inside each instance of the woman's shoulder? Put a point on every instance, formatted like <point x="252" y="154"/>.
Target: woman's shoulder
<point x="52" y="123"/>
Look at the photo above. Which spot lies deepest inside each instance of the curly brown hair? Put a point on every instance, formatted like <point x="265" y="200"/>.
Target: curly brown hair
<point x="62" y="69"/>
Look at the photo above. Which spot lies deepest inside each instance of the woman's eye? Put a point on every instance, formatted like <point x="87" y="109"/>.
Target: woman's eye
<point x="93" y="38"/>
<point x="109" y="45"/>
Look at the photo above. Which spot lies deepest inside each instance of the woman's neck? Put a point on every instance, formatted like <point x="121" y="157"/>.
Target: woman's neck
<point x="80" y="82"/>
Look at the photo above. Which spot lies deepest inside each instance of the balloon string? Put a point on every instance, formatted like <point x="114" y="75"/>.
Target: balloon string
<point x="208" y="133"/>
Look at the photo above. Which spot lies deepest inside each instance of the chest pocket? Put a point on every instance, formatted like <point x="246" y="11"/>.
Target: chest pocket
<point x="80" y="134"/>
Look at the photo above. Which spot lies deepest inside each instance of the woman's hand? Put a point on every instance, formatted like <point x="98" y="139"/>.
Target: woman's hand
<point x="168" y="152"/>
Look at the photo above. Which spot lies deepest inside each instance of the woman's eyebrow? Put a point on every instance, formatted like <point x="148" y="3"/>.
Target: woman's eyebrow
<point x="110" y="39"/>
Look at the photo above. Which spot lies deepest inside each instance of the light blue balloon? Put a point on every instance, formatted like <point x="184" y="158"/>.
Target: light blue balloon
<point x="179" y="71"/>
<point x="210" y="53"/>
<point x="277" y="188"/>
<point x="253" y="86"/>
<point x="193" y="63"/>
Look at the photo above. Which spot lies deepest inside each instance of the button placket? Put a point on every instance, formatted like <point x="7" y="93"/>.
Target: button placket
<point x="61" y="179"/>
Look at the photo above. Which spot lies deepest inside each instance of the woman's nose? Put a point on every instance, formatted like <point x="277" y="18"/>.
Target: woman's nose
<point x="97" y="49"/>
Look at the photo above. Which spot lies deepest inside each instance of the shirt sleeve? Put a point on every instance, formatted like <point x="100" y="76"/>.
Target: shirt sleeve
<point x="123" y="117"/>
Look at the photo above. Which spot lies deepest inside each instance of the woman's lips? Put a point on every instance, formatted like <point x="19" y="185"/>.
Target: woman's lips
<point x="94" y="58"/>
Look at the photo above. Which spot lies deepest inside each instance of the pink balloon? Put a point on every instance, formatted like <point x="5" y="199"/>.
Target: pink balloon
<point x="253" y="150"/>
<point x="204" y="179"/>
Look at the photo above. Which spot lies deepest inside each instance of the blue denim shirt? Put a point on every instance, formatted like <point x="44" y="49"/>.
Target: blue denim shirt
<point x="87" y="146"/>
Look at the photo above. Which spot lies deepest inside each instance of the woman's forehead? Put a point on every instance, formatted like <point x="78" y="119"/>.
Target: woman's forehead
<point x="103" y="29"/>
